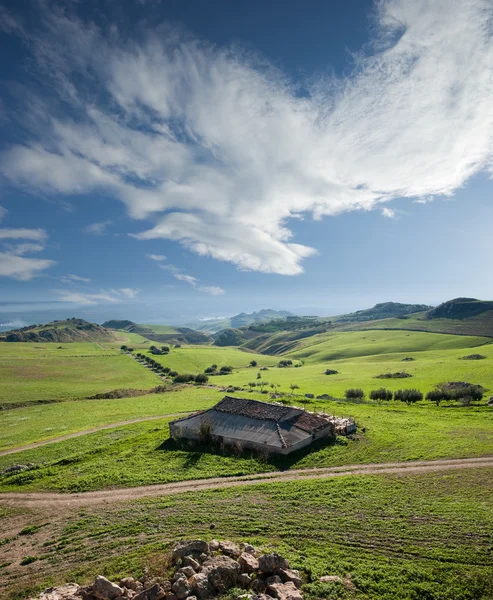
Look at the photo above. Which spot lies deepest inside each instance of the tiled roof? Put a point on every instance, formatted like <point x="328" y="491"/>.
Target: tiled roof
<point x="255" y="409"/>
<point x="310" y="422"/>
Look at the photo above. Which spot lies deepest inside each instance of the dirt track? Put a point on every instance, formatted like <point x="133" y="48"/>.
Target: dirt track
<point x="69" y="436"/>
<point x="68" y="502"/>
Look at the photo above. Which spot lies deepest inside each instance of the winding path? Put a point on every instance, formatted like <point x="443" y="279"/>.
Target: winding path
<point x="57" y="502"/>
<point x="76" y="434"/>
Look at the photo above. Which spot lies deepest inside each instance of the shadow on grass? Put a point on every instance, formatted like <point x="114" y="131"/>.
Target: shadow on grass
<point x="197" y="450"/>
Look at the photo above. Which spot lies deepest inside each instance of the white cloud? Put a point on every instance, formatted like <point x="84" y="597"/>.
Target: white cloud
<point x="97" y="228"/>
<point x="194" y="282"/>
<point x="423" y="200"/>
<point x="389" y="212"/>
<point x="38" y="235"/>
<point x="83" y="298"/>
<point x="22" y="268"/>
<point x="74" y="279"/>
<point x="3" y="212"/>
<point x="127" y="292"/>
<point x="156" y="257"/>
<point x="26" y="248"/>
<point x="211" y="289"/>
<point x="186" y="278"/>
<point x="222" y="151"/>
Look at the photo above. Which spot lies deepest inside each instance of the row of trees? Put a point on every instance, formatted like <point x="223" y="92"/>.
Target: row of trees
<point x="213" y="370"/>
<point x="461" y="391"/>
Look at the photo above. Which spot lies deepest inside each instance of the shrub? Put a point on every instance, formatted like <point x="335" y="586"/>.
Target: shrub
<point x="201" y="378"/>
<point x="397" y="375"/>
<point x="407" y="359"/>
<point x="210" y="369"/>
<point x="473" y="357"/>
<point x="173" y="373"/>
<point x="462" y="389"/>
<point x="264" y="369"/>
<point x="183" y="378"/>
<point x="165" y="349"/>
<point x="225" y="369"/>
<point x="253" y="363"/>
<point x="331" y="372"/>
<point x="437" y="396"/>
<point x="285" y="363"/>
<point x="380" y="395"/>
<point x="409" y="396"/>
<point x="123" y="348"/>
<point x="354" y="394"/>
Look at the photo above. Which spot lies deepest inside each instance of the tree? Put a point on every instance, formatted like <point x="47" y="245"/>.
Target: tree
<point x="251" y="385"/>
<point x="226" y="369"/>
<point x="210" y="370"/>
<point x="201" y="378"/>
<point x="437" y="396"/>
<point x="262" y="384"/>
<point x="354" y="394"/>
<point x="183" y="378"/>
<point x="253" y="363"/>
<point x="165" y="349"/>
<point x="380" y="395"/>
<point x="293" y="387"/>
<point x="259" y="375"/>
<point x="123" y="348"/>
<point x="408" y="396"/>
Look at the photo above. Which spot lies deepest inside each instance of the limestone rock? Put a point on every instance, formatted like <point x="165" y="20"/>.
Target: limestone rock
<point x="129" y="582"/>
<point x="248" y="562"/>
<point x="201" y="586"/>
<point x="230" y="549"/>
<point x="222" y="572"/>
<point x="155" y="592"/>
<point x="290" y="575"/>
<point x="244" y="580"/>
<point x="285" y="591"/>
<point x="188" y="561"/>
<point x="186" y="548"/>
<point x="105" y="589"/>
<point x="187" y="571"/>
<point x="269" y="563"/>
<point x="273" y="579"/>
<point x="64" y="592"/>
<point x="214" y="546"/>
<point x="182" y="588"/>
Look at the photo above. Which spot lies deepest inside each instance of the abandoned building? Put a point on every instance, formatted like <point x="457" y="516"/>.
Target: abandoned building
<point x="252" y="424"/>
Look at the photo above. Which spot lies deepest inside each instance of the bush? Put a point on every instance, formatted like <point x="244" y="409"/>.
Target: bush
<point x="437" y="396"/>
<point x="285" y="363"/>
<point x="462" y="389"/>
<point x="173" y="373"/>
<point x="253" y="363"/>
<point x="354" y="394"/>
<point x="210" y="369"/>
<point x="409" y="396"/>
<point x="225" y="369"/>
<point x="473" y="357"/>
<point x="183" y="378"/>
<point x="201" y="379"/>
<point x="123" y="348"/>
<point x="331" y="372"/>
<point x="381" y="394"/>
<point x="397" y="375"/>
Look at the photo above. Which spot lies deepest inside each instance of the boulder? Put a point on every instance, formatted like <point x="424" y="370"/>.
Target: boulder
<point x="129" y="582"/>
<point x="285" y="591"/>
<point x="104" y="589"/>
<point x="186" y="548"/>
<point x="182" y="588"/>
<point x="155" y="592"/>
<point x="248" y="562"/>
<point x="201" y="586"/>
<point x="273" y="579"/>
<point x="187" y="571"/>
<point x="214" y="546"/>
<point x="222" y="572"/>
<point x="290" y="575"/>
<point x="64" y="592"/>
<point x="259" y="586"/>
<point x="249" y="549"/>
<point x="244" y="580"/>
<point x="188" y="561"/>
<point x="230" y="549"/>
<point x="269" y="563"/>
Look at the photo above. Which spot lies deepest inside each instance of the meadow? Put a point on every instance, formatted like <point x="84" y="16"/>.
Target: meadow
<point x="394" y="537"/>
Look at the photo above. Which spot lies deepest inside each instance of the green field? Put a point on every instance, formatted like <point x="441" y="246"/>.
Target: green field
<point x="406" y="537"/>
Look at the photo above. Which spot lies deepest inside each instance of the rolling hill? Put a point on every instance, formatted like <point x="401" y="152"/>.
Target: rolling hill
<point x="69" y="330"/>
<point x="165" y="334"/>
<point x="240" y="320"/>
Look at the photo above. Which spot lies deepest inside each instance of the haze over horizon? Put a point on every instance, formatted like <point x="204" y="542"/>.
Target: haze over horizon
<point x="161" y="161"/>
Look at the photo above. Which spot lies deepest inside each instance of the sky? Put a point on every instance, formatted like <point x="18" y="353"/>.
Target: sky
<point x="163" y="160"/>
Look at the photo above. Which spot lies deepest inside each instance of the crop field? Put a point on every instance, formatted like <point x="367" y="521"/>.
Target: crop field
<point x="63" y="377"/>
<point x="395" y="537"/>
<point x="142" y="454"/>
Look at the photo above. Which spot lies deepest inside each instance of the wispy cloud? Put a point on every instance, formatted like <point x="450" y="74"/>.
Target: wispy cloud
<point x="156" y="257"/>
<point x="97" y="228"/>
<point x="21" y="267"/>
<point x="74" y="279"/>
<point x="221" y="151"/>
<point x="389" y="212"/>
<point x="38" y="235"/>
<point x="194" y="282"/>
<point x="85" y="298"/>
<point x="127" y="292"/>
<point x="3" y="213"/>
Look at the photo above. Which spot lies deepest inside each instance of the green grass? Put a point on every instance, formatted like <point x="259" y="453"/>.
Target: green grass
<point x="409" y="537"/>
<point x="161" y="329"/>
<point x="43" y="422"/>
<point x="56" y="349"/>
<point x="61" y="377"/>
<point x="142" y="454"/>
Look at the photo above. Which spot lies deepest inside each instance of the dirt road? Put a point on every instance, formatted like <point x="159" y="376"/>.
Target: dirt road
<point x="68" y="502"/>
<point x="69" y="436"/>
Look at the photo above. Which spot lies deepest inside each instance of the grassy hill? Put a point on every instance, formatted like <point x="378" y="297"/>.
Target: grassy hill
<point x="165" y="334"/>
<point x="69" y="330"/>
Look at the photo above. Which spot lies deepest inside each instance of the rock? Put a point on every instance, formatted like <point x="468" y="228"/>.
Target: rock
<point x="248" y="563"/>
<point x="65" y="592"/>
<point x="273" y="579"/>
<point x="105" y="589"/>
<point x="182" y="588"/>
<point x="201" y="586"/>
<point x="185" y="548"/>
<point x="203" y="557"/>
<point x="330" y="578"/>
<point x="214" y="546"/>
<point x="249" y="549"/>
<point x="285" y="591"/>
<point x="129" y="582"/>
<point x="259" y="586"/>
<point x="187" y="571"/>
<point x="171" y="597"/>
<point x="244" y="580"/>
<point x="229" y="549"/>
<point x="222" y="572"/>
<point x="269" y="563"/>
<point x="155" y="592"/>
<point x="188" y="561"/>
<point x="290" y="575"/>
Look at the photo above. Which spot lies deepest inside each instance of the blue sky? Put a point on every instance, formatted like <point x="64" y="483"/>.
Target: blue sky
<point x="161" y="160"/>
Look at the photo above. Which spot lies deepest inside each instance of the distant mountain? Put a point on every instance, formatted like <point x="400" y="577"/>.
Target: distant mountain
<point x="240" y="320"/>
<point x="161" y="333"/>
<point x="384" y="310"/>
<point x="69" y="330"/>
<point x="460" y="308"/>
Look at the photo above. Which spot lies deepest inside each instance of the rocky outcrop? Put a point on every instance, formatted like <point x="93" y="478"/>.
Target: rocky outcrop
<point x="202" y="571"/>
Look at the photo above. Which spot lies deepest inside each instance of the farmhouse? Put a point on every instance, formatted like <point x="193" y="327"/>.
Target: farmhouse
<point x="255" y="425"/>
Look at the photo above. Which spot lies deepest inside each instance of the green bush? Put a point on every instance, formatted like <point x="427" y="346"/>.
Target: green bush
<point x="354" y="394"/>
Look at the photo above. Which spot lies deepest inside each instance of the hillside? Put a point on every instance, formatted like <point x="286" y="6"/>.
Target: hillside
<point x="69" y="330"/>
<point x="240" y="320"/>
<point x="384" y="310"/>
<point x="160" y="333"/>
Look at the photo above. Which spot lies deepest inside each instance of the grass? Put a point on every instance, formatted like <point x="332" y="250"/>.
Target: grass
<point x="62" y="377"/>
<point x="142" y="454"/>
<point x="403" y="537"/>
